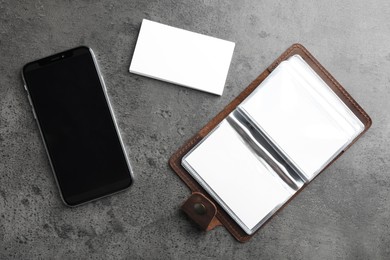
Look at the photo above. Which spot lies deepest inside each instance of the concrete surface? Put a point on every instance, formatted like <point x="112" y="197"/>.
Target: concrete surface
<point x="343" y="214"/>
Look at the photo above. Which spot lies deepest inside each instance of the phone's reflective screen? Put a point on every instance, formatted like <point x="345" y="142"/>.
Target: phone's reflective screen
<point x="77" y="126"/>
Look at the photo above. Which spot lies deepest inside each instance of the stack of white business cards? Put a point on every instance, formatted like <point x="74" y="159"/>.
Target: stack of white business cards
<point x="185" y="58"/>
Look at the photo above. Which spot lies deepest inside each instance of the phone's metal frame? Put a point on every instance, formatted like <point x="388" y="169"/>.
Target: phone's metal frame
<point x="104" y="89"/>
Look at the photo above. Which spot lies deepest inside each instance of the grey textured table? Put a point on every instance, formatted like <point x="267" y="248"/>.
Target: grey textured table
<point x="344" y="213"/>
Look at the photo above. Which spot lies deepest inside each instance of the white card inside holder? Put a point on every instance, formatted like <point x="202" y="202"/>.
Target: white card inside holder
<point x="277" y="139"/>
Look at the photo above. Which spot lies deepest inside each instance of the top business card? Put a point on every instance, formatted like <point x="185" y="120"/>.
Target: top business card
<point x="181" y="57"/>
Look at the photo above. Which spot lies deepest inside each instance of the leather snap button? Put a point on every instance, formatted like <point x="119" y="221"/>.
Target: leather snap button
<point x="200" y="209"/>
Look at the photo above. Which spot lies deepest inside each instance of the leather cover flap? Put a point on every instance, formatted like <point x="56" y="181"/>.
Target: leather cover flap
<point x="201" y="210"/>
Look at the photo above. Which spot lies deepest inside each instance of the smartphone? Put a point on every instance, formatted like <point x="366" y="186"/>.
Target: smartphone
<point x="70" y="104"/>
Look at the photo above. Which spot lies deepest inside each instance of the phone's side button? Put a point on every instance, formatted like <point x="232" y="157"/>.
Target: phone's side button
<point x="35" y="116"/>
<point x="32" y="108"/>
<point x="29" y="100"/>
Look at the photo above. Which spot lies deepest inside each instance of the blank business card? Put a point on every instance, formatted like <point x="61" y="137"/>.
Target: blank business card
<point x="181" y="57"/>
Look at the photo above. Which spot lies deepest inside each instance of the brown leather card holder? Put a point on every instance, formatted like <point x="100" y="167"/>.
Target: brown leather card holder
<point x="200" y="206"/>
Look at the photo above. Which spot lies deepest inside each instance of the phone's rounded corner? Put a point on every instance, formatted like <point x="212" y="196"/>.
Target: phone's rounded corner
<point x="86" y="49"/>
<point x="67" y="203"/>
<point x="130" y="182"/>
<point x="26" y="67"/>
<point x="64" y="200"/>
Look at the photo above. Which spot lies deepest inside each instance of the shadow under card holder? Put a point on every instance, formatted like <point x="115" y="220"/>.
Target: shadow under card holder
<point x="274" y="138"/>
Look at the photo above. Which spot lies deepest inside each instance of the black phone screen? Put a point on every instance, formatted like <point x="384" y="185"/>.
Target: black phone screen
<point x="78" y="128"/>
